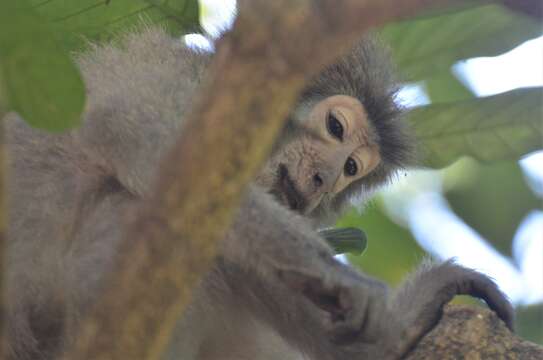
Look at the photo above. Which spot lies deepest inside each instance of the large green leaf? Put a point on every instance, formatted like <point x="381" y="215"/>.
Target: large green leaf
<point x="504" y="126"/>
<point x="40" y="80"/>
<point x="427" y="45"/>
<point x="99" y="20"/>
<point x="443" y="86"/>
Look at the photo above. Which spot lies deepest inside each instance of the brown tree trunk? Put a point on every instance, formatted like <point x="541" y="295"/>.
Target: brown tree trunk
<point x="473" y="333"/>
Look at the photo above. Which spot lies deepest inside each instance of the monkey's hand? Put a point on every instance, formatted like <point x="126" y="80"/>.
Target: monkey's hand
<point x="348" y="301"/>
<point x="416" y="307"/>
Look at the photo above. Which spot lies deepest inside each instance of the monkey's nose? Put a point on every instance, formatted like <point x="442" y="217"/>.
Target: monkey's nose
<point x="317" y="180"/>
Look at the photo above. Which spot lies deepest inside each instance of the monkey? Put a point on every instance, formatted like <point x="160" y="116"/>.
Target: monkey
<point x="276" y="291"/>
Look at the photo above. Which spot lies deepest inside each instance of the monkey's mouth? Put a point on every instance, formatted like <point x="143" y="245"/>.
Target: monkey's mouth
<point x="286" y="191"/>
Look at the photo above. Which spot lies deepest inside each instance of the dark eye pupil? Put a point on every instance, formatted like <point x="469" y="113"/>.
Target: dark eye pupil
<point x="350" y="167"/>
<point x="334" y="127"/>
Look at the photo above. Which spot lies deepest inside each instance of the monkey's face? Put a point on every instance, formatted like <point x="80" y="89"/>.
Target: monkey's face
<point x="326" y="147"/>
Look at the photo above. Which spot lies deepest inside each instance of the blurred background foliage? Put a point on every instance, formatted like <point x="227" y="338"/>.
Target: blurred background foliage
<point x="478" y="211"/>
<point x="488" y="199"/>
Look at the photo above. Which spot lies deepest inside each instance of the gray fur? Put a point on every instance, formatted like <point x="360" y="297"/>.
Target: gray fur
<point x="276" y="291"/>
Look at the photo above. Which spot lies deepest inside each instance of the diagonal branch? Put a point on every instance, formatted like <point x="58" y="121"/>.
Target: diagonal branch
<point x="2" y="227"/>
<point x="532" y="8"/>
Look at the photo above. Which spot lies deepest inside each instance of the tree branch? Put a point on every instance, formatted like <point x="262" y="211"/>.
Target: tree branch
<point x="257" y="72"/>
<point x="532" y="8"/>
<point x="2" y="230"/>
<point x="468" y="332"/>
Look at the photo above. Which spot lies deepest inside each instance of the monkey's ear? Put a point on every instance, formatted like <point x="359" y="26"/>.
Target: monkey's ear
<point x="346" y="240"/>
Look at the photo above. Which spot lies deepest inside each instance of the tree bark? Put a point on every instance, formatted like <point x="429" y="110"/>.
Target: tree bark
<point x="257" y="73"/>
<point x="2" y="228"/>
<point x="473" y="333"/>
<point x="532" y="8"/>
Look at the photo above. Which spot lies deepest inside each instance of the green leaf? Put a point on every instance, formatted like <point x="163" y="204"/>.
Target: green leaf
<point x="99" y="20"/>
<point x="499" y="127"/>
<point x="3" y="94"/>
<point x="346" y="240"/>
<point x="40" y="80"/>
<point x="427" y="45"/>
<point x="445" y="87"/>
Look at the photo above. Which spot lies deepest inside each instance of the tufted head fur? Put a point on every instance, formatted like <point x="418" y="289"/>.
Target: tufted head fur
<point x="366" y="73"/>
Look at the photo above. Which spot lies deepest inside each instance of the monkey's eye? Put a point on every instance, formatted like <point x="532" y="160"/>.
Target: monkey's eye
<point x="334" y="127"/>
<point x="350" y="167"/>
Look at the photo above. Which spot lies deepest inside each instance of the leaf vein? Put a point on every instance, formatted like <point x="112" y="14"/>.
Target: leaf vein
<point x="471" y="130"/>
<point x="79" y="12"/>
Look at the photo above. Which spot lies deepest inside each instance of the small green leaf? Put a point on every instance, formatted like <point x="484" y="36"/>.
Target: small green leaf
<point x="499" y="127"/>
<point x="78" y="21"/>
<point x="346" y="240"/>
<point x="40" y="80"/>
<point x="431" y="44"/>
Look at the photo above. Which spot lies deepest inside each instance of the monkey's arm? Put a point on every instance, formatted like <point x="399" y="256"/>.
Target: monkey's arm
<point x="350" y="315"/>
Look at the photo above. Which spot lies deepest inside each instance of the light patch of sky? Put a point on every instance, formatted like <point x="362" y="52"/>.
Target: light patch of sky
<point x="521" y="67"/>
<point x="216" y="17"/>
<point x="412" y="95"/>
<point x="199" y="41"/>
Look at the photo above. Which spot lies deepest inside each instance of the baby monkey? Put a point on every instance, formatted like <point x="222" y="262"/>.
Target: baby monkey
<point x="276" y="291"/>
